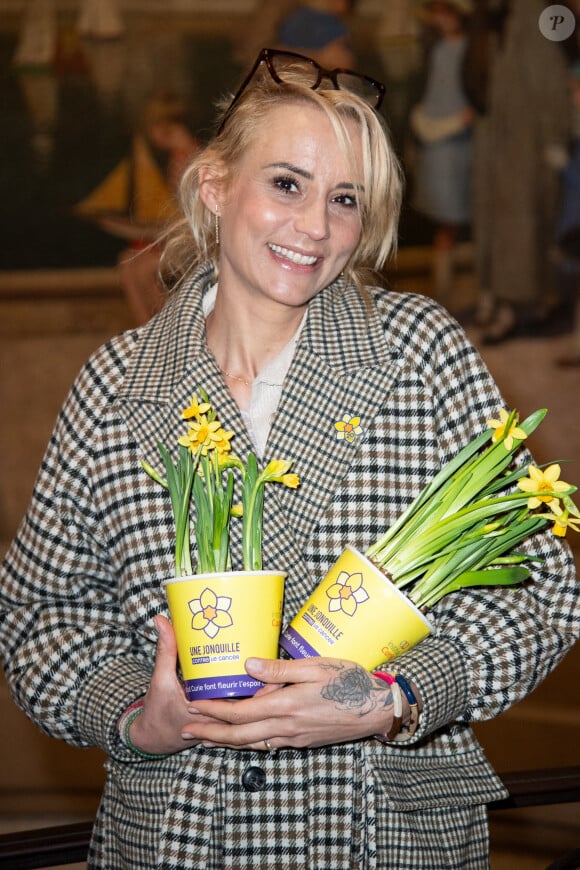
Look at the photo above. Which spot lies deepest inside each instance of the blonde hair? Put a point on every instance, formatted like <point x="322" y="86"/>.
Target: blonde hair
<point x="192" y="240"/>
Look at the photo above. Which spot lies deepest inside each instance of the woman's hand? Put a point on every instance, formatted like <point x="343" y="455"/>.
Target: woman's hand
<point x="305" y="703"/>
<point x="165" y="709"/>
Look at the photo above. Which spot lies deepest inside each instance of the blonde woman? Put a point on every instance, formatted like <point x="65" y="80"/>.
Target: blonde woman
<point x="287" y="213"/>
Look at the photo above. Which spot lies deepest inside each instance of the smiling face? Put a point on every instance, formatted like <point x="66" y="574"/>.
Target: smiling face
<point x="289" y="218"/>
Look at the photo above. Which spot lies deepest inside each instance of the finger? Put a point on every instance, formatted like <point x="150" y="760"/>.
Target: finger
<point x="284" y="670"/>
<point x="166" y="643"/>
<point x="245" y="736"/>
<point x="268" y="688"/>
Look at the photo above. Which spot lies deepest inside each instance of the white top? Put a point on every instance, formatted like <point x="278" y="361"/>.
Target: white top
<point x="266" y="388"/>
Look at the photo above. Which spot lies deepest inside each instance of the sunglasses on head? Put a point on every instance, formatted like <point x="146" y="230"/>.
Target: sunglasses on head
<point x="287" y="67"/>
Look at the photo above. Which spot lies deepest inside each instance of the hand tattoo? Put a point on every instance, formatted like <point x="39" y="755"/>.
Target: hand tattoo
<point x="354" y="689"/>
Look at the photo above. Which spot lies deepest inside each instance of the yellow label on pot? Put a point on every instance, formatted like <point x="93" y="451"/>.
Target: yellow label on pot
<point x="219" y="621"/>
<point x="355" y="613"/>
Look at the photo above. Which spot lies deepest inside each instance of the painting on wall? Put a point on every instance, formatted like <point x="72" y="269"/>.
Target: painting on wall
<point x="85" y="92"/>
<point x="84" y="103"/>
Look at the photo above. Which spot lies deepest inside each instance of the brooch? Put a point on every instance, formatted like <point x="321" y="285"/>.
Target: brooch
<point x="348" y="429"/>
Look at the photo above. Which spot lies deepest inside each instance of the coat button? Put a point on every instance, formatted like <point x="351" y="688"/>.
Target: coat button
<point x="254" y="779"/>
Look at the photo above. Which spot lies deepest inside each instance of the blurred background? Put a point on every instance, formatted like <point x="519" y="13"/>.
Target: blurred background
<point x="102" y="103"/>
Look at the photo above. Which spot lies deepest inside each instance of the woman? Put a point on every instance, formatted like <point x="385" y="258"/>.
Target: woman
<point x="296" y="195"/>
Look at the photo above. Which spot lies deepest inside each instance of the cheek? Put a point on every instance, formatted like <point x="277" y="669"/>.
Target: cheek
<point x="259" y="217"/>
<point x="350" y="238"/>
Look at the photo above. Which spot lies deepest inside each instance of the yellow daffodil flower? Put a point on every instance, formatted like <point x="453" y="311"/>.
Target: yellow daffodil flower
<point x="500" y="433"/>
<point x="277" y="470"/>
<point x="348" y="429"/>
<point x="543" y="481"/>
<point x="292" y="481"/>
<point x="222" y="442"/>
<point x="195" y="409"/>
<point x="203" y="435"/>
<point x="562" y="521"/>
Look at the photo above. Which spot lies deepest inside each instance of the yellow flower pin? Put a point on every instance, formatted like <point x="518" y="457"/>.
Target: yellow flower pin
<point x="348" y="429"/>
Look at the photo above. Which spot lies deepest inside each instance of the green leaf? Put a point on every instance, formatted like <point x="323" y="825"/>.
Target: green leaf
<point x="488" y="577"/>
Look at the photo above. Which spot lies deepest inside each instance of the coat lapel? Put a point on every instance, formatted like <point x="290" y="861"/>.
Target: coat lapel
<point x="170" y="364"/>
<point x="343" y="367"/>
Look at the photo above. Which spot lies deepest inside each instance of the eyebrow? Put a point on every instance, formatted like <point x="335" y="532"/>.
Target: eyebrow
<point x="347" y="185"/>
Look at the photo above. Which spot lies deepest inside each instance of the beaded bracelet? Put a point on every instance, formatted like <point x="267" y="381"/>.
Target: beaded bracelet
<point x="124" y="725"/>
<point x="397" y="708"/>
<point x="122" y="722"/>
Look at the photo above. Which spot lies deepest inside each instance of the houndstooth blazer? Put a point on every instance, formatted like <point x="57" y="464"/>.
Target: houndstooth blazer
<point x="81" y="584"/>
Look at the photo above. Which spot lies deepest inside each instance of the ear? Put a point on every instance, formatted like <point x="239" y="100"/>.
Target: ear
<point x="212" y="185"/>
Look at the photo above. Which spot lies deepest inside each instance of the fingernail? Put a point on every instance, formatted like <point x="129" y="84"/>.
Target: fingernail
<point x="188" y="736"/>
<point x="192" y="710"/>
<point x="254" y="664"/>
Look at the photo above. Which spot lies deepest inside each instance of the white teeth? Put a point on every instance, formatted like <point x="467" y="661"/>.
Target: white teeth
<point x="299" y="259"/>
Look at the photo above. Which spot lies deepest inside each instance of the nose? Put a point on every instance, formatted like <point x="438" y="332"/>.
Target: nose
<point x="312" y="218"/>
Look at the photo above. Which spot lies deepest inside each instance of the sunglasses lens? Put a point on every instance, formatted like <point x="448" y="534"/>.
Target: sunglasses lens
<point x="294" y="69"/>
<point x="360" y="86"/>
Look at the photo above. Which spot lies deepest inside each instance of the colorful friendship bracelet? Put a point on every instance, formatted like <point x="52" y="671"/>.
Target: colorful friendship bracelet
<point x="122" y="722"/>
<point x="123" y="726"/>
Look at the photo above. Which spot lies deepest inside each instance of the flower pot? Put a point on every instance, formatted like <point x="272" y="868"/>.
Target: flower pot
<point x="220" y="620"/>
<point x="355" y="613"/>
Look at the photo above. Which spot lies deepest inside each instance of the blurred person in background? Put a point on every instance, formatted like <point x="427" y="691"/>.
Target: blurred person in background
<point x="525" y="121"/>
<point x="317" y="28"/>
<point x="442" y="125"/>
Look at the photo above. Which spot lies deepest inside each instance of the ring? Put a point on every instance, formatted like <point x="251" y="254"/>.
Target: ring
<point x="271" y="749"/>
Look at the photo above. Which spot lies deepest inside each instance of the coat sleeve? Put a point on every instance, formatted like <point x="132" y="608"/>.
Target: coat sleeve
<point x="490" y="646"/>
<point x="71" y="658"/>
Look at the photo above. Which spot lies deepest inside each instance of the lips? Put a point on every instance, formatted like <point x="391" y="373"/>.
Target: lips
<point x="293" y="256"/>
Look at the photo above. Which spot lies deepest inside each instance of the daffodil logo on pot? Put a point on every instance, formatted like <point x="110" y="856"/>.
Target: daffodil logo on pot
<point x="210" y="612"/>
<point x="347" y="593"/>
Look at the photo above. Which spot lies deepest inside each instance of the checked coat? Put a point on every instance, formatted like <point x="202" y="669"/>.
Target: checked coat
<point x="81" y="584"/>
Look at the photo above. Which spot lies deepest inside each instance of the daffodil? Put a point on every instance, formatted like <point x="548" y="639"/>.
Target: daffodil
<point x="562" y="520"/>
<point x="292" y="481"/>
<point x="203" y="435"/>
<point x="463" y="528"/>
<point x="506" y="429"/>
<point x="348" y="429"/>
<point x="543" y="482"/>
<point x="204" y="474"/>
<point x="222" y="440"/>
<point x="347" y="593"/>
<point x="210" y="612"/>
<point x="195" y="409"/>
<point x="276" y="471"/>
